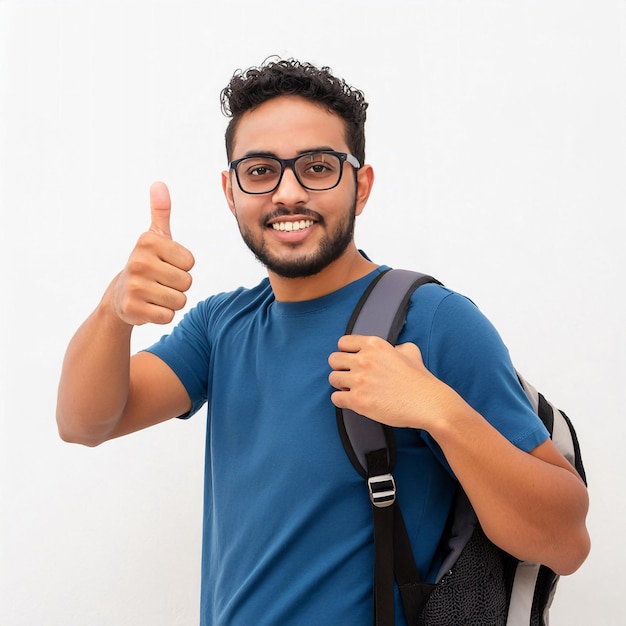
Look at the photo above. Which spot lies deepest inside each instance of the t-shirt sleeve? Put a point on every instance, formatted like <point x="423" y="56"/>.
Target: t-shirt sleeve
<point x="187" y="351"/>
<point x="463" y="349"/>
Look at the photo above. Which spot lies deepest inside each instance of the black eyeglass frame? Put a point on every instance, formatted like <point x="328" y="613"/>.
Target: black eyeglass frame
<point x="290" y="163"/>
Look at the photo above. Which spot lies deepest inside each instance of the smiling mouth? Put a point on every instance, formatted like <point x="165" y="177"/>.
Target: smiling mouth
<point x="292" y="226"/>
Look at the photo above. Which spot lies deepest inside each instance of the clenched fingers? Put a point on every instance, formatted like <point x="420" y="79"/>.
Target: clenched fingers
<point x="375" y="378"/>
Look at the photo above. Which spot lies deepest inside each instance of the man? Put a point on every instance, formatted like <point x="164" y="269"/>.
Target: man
<point x="287" y="525"/>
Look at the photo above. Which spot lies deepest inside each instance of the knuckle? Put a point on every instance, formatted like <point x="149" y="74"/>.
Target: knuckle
<point x="365" y="362"/>
<point x="133" y="291"/>
<point x="145" y="241"/>
<point x="165" y="316"/>
<point x="174" y="300"/>
<point x="149" y="239"/>
<point x="372" y="341"/>
<point x="137" y="266"/>
<point x="129" y="312"/>
<point x="181" y="301"/>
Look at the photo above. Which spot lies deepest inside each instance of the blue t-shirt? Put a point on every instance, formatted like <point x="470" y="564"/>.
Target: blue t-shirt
<point x="287" y="528"/>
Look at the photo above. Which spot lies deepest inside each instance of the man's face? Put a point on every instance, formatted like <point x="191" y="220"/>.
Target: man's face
<point x="293" y="231"/>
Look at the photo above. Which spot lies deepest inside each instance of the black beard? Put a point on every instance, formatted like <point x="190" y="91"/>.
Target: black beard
<point x="330" y="249"/>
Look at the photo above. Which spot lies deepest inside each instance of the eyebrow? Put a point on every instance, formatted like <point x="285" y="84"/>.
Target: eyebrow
<point x="269" y="153"/>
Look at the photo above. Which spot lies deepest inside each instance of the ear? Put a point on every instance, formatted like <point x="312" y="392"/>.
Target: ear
<point x="227" y="188"/>
<point x="364" y="183"/>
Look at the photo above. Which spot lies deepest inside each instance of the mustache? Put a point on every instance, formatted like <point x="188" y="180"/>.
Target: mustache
<point x="284" y="212"/>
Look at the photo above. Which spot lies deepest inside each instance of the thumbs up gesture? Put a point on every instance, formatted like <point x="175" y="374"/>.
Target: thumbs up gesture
<point x="152" y="286"/>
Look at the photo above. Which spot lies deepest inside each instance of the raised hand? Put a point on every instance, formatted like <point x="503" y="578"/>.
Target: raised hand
<point x="152" y="286"/>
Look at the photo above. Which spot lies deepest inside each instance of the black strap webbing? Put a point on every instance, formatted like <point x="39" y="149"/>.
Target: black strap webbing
<point x="383" y="518"/>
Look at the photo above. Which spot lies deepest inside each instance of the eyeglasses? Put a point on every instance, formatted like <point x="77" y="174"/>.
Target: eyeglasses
<point x="316" y="171"/>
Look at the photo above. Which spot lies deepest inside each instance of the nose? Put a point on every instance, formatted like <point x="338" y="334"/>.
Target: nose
<point x="290" y="192"/>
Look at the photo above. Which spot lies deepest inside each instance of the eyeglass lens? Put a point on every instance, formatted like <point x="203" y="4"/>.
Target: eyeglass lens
<point x="316" y="171"/>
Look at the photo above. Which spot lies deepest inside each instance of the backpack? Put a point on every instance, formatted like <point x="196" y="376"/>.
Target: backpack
<point x="478" y="584"/>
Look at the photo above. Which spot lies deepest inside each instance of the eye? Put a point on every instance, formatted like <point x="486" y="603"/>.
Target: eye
<point x="259" y="167"/>
<point x="319" y="164"/>
<point x="318" y="168"/>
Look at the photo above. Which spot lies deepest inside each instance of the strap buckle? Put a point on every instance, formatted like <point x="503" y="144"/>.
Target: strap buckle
<point x="382" y="490"/>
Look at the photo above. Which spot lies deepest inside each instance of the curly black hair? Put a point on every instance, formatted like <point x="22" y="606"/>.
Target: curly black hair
<point x="280" y="77"/>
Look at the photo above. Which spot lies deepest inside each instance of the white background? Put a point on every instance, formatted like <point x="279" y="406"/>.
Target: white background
<point x="497" y="132"/>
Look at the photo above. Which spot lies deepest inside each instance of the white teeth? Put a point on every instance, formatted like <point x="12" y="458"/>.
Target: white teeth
<point x="292" y="226"/>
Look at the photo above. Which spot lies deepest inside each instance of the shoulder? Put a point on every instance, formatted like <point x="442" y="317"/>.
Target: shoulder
<point x="439" y="317"/>
<point x="188" y="347"/>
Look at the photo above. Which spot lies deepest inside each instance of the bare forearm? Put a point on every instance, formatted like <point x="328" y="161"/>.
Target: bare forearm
<point x="94" y="384"/>
<point x="531" y="505"/>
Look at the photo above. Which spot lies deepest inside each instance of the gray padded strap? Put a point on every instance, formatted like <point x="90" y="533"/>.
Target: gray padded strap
<point x="383" y="315"/>
<point x="380" y="309"/>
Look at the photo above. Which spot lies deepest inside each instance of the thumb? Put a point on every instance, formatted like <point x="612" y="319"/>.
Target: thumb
<point x="160" y="209"/>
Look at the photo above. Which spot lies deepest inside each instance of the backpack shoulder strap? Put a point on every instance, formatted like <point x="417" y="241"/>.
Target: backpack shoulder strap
<point x="381" y="311"/>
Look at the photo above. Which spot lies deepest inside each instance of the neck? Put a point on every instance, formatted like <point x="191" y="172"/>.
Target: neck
<point x="351" y="266"/>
